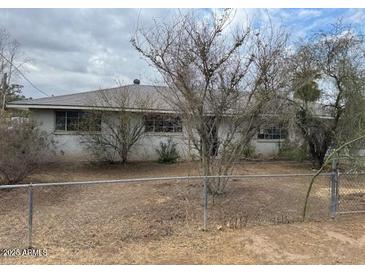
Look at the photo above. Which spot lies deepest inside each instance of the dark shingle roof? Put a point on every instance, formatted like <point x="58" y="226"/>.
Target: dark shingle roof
<point x="137" y="94"/>
<point x="96" y="98"/>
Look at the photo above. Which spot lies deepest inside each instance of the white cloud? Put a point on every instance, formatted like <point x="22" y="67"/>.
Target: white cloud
<point x="356" y="16"/>
<point x="30" y="67"/>
<point x="81" y="49"/>
<point x="78" y="49"/>
<point x="309" y="13"/>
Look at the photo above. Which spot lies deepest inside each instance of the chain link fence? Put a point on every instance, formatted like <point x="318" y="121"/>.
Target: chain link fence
<point x="83" y="215"/>
<point x="351" y="193"/>
<point x="348" y="185"/>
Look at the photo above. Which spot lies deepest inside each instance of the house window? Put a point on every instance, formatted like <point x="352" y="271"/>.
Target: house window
<point x="162" y="123"/>
<point x="71" y="120"/>
<point x="273" y="133"/>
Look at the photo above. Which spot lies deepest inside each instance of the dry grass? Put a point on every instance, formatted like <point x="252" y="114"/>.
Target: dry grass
<point x="159" y="223"/>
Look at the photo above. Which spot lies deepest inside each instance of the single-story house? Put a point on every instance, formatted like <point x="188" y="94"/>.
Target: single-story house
<point x="60" y="116"/>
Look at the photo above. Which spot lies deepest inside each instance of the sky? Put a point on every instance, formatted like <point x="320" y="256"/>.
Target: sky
<point x="76" y="50"/>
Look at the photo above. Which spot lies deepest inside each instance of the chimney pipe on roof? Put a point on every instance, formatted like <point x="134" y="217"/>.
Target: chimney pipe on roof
<point x="136" y="81"/>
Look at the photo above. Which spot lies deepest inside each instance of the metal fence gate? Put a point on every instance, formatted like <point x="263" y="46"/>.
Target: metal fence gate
<point x="347" y="192"/>
<point x="351" y="193"/>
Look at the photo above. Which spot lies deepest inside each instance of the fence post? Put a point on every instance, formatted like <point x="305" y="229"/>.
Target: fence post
<point x="334" y="188"/>
<point x="30" y="215"/>
<point x="205" y="202"/>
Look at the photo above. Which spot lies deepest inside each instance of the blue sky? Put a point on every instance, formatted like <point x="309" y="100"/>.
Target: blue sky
<point x="75" y="50"/>
<point x="303" y="22"/>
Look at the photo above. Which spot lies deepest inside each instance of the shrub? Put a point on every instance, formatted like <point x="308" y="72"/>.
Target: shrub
<point x="293" y="152"/>
<point x="23" y="147"/>
<point x="167" y="152"/>
<point x="248" y="152"/>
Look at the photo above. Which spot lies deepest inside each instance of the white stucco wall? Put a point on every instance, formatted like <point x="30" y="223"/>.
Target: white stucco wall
<point x="266" y="148"/>
<point x="263" y="148"/>
<point x="145" y="149"/>
<point x="69" y="145"/>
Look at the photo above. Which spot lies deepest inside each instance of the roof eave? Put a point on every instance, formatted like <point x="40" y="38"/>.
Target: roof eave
<point x="36" y="106"/>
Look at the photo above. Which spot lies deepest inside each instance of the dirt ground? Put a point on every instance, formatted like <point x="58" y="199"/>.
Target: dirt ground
<point x="257" y="221"/>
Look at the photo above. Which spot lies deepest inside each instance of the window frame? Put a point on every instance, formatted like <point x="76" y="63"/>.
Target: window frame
<point x="282" y="133"/>
<point x="66" y="129"/>
<point x="167" y="124"/>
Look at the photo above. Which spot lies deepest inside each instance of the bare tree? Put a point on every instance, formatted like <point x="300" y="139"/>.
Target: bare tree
<point x="220" y="80"/>
<point x="23" y="148"/>
<point x="115" y="124"/>
<point x="328" y="71"/>
<point x="9" y="55"/>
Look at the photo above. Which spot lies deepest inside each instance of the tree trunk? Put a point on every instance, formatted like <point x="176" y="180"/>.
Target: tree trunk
<point x="124" y="155"/>
<point x="318" y="152"/>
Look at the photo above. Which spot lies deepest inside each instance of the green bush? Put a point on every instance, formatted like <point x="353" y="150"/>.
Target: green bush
<point x="23" y="149"/>
<point x="167" y="152"/>
<point x="248" y="152"/>
<point x="293" y="152"/>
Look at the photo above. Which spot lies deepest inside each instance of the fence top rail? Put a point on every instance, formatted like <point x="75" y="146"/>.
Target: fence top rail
<point x="154" y="179"/>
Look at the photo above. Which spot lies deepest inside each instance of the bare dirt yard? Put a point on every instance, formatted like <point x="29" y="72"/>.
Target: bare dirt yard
<point x="256" y="221"/>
